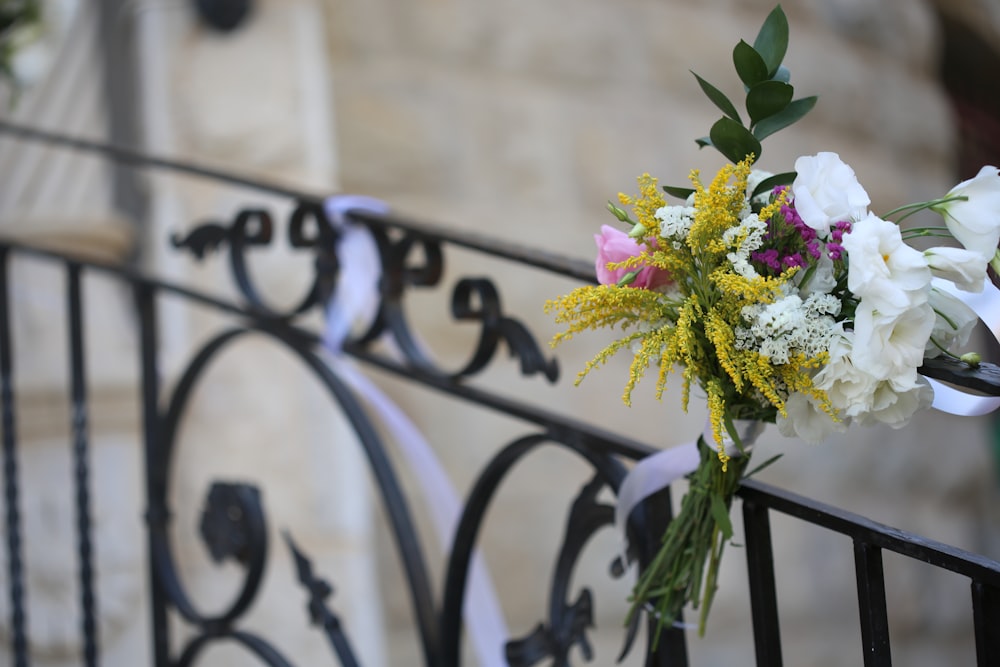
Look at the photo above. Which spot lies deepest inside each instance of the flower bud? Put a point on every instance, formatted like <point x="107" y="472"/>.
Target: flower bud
<point x="628" y="278"/>
<point x="618" y="213"/>
<point x="971" y="358"/>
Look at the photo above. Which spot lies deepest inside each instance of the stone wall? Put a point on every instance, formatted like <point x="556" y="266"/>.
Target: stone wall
<point x="521" y="119"/>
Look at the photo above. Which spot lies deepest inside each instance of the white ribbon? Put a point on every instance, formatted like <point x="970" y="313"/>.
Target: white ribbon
<point x="986" y="305"/>
<point x="355" y="303"/>
<point x="658" y="471"/>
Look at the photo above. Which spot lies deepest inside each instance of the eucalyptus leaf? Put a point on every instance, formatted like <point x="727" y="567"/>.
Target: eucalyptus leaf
<point x="703" y="141"/>
<point x="772" y="182"/>
<point x="779" y="121"/>
<point x="782" y="74"/>
<point x="767" y="99"/>
<point x="734" y="141"/>
<point x="677" y="191"/>
<point x="772" y="40"/>
<point x="719" y="99"/>
<point x="749" y="65"/>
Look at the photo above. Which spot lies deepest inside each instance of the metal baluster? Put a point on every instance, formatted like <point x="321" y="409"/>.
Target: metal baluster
<point x="986" y="620"/>
<point x="156" y="513"/>
<point x="81" y="470"/>
<point x="871" y="601"/>
<point x="763" y="597"/>
<point x="15" y="565"/>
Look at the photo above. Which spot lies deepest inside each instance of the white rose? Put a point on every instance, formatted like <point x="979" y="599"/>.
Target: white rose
<point x="888" y="346"/>
<point x="897" y="400"/>
<point x="849" y="388"/>
<point x="975" y="220"/>
<point x="807" y="420"/>
<point x="965" y="268"/>
<point x="827" y="191"/>
<point x="883" y="270"/>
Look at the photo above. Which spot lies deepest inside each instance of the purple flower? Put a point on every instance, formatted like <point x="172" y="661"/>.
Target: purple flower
<point x="769" y="258"/>
<point x="794" y="259"/>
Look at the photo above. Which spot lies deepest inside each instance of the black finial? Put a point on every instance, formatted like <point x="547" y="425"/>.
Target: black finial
<point x="223" y="15"/>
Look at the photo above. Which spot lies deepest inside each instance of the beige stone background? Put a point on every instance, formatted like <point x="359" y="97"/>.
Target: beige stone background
<point x="518" y="120"/>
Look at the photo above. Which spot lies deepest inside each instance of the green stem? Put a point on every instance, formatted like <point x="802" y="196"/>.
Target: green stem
<point x="921" y="206"/>
<point x="695" y="538"/>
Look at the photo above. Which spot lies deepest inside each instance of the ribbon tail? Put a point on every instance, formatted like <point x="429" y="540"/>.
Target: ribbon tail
<point x="355" y="302"/>
<point x="985" y="304"/>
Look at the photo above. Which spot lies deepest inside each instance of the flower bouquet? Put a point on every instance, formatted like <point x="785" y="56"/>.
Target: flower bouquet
<point x="782" y="298"/>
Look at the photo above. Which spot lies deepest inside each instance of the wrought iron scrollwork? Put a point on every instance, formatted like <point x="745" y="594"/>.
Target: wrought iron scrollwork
<point x="319" y="613"/>
<point x="308" y="228"/>
<point x="497" y="327"/>
<point x="232" y="523"/>
<point x="568" y="622"/>
<point x="233" y="527"/>
<point x="409" y="261"/>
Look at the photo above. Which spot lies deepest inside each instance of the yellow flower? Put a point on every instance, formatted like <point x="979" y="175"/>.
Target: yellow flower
<point x="718" y="207"/>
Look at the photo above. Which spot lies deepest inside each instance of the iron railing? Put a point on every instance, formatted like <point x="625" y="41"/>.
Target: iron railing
<point x="233" y="525"/>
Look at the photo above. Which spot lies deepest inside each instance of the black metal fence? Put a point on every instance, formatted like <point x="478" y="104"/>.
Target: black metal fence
<point x="233" y="525"/>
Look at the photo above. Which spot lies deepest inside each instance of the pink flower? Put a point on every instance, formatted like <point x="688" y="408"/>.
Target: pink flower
<point x="614" y="245"/>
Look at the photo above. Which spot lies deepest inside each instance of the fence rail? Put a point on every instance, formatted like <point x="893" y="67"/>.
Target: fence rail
<point x="234" y="526"/>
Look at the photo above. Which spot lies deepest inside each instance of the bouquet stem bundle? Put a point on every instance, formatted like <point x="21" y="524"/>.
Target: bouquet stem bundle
<point x="694" y="539"/>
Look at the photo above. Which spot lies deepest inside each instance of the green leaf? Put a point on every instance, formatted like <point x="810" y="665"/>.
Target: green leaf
<point x="772" y="182"/>
<point x="676" y="191"/>
<point x="763" y="465"/>
<point x="767" y="99"/>
<point x="749" y="65"/>
<point x="772" y="40"/>
<point x="721" y="515"/>
<point x="779" y="121"/>
<point x="719" y="99"/>
<point x="733" y="140"/>
<point x="703" y="141"/>
<point x="782" y="75"/>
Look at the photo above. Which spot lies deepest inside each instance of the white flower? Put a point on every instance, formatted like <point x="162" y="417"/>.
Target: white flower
<point x="888" y="274"/>
<point x="823" y="278"/>
<point x="963" y="267"/>
<point x="675" y="221"/>
<point x="807" y="420"/>
<point x="755" y="178"/>
<point x="975" y="221"/>
<point x="897" y="400"/>
<point x="953" y="323"/>
<point x="827" y="191"/>
<point x="888" y="346"/>
<point x="745" y="238"/>
<point x="789" y="325"/>
<point x="849" y="388"/>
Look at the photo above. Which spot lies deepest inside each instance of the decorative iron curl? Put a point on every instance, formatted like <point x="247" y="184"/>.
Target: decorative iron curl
<point x="400" y="275"/>
<point x="220" y="512"/>
<point x="308" y="228"/>
<point x="410" y="260"/>
<point x="233" y="527"/>
<point x="567" y="621"/>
